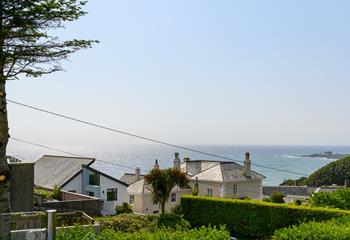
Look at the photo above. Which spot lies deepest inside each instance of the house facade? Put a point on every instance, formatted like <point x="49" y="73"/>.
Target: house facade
<point x="212" y="178"/>
<point x="84" y="176"/>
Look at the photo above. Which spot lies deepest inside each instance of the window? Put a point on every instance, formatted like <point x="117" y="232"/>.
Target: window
<point x="94" y="179"/>
<point x="173" y="197"/>
<point x="112" y="194"/>
<point x="235" y="191"/>
<point x="210" y="192"/>
<point x="91" y="194"/>
<point x="132" y="199"/>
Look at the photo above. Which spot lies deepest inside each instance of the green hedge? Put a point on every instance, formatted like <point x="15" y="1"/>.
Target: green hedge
<point x="203" y="233"/>
<point x="251" y="219"/>
<point x="339" y="198"/>
<point x="338" y="229"/>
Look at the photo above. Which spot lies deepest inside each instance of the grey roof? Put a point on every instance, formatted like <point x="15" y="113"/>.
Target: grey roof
<point x="226" y="172"/>
<point x="206" y="171"/>
<point x="57" y="170"/>
<point x="140" y="187"/>
<point x="130" y="178"/>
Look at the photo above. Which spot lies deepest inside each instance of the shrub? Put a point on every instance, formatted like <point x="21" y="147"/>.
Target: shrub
<point x="176" y="209"/>
<point x="128" y="223"/>
<point x="340" y="198"/>
<point x="335" y="229"/>
<point x="203" y="233"/>
<point x="172" y="221"/>
<point x="124" y="208"/>
<point x="250" y="219"/>
<point x="57" y="193"/>
<point x="162" y="234"/>
<point x="277" y="197"/>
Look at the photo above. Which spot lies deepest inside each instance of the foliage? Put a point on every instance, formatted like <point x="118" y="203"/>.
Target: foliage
<point x="339" y="198"/>
<point x="172" y="221"/>
<point x="134" y="223"/>
<point x="162" y="181"/>
<point x="57" y="193"/>
<point x="78" y="232"/>
<point x="333" y="173"/>
<point x="176" y="209"/>
<point x="27" y="45"/>
<point x="128" y="223"/>
<point x="195" y="191"/>
<point x="45" y="193"/>
<point x="203" y="233"/>
<point x="124" y="208"/>
<point x="294" y="182"/>
<point x="250" y="219"/>
<point x="334" y="229"/>
<point x="277" y="197"/>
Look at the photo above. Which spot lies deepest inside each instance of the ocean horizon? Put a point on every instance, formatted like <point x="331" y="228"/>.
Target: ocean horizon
<point x="283" y="157"/>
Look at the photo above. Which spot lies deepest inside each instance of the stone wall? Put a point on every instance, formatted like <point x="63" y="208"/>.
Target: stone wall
<point x="40" y="234"/>
<point x="89" y="206"/>
<point x="22" y="187"/>
<point x="286" y="190"/>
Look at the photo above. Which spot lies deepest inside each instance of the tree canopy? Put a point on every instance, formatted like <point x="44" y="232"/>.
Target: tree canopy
<point x="162" y="181"/>
<point x="27" y="43"/>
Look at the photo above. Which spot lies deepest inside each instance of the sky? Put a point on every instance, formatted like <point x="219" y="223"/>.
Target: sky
<point x="197" y="72"/>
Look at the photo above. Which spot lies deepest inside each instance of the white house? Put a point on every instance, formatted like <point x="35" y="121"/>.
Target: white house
<point x="213" y="179"/>
<point x="82" y="175"/>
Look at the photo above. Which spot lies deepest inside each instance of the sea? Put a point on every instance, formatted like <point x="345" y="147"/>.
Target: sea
<point x="276" y="163"/>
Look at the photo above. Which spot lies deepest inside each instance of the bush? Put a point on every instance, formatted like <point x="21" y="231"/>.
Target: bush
<point x="277" y="197"/>
<point x="338" y="199"/>
<point x="128" y="223"/>
<point x="57" y="193"/>
<point x="162" y="234"/>
<point x="172" y="221"/>
<point x="210" y="233"/>
<point x="124" y="208"/>
<point x="335" y="229"/>
<point x="250" y="219"/>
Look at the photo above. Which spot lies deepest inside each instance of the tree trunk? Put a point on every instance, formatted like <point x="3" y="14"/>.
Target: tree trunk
<point x="5" y="226"/>
<point x="162" y="210"/>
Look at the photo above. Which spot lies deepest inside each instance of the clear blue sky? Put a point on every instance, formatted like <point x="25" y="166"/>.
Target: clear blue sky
<point x="198" y="72"/>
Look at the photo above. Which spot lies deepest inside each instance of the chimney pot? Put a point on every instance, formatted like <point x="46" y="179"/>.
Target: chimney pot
<point x="138" y="174"/>
<point x="156" y="165"/>
<point x="247" y="165"/>
<point x="177" y="161"/>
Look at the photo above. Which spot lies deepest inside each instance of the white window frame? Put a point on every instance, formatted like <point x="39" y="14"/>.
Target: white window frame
<point x="173" y="197"/>
<point x="235" y="189"/>
<point x="132" y="199"/>
<point x="210" y="192"/>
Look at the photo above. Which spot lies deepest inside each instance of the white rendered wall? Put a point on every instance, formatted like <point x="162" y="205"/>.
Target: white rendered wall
<point x="75" y="184"/>
<point x="107" y="183"/>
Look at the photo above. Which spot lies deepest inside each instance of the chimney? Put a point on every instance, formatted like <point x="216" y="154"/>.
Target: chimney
<point x="138" y="174"/>
<point x="177" y="161"/>
<point x="247" y="165"/>
<point x="156" y="165"/>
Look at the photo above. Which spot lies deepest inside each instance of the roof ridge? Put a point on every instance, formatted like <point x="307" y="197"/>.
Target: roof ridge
<point x="56" y="156"/>
<point x="207" y="169"/>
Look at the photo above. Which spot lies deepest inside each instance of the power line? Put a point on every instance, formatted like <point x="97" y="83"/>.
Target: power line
<point x="70" y="153"/>
<point x="81" y="156"/>
<point x="146" y="138"/>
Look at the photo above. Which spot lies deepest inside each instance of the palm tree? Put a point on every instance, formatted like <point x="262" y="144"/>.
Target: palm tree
<point x="162" y="181"/>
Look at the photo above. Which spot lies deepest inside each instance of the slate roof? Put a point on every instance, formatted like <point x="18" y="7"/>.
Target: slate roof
<point x="57" y="170"/>
<point x="206" y="170"/>
<point x="130" y="178"/>
<point x="225" y="172"/>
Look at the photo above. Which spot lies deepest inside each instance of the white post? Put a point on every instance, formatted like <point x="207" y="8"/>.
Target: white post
<point x="51" y="225"/>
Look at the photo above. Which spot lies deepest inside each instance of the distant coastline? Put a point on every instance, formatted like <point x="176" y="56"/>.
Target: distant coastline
<point x="328" y="155"/>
